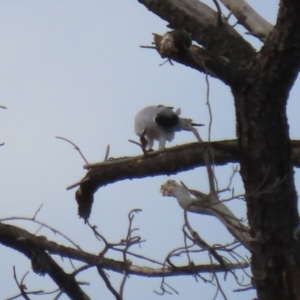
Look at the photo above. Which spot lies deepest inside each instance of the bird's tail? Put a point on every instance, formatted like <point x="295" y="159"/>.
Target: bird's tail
<point x="196" y="124"/>
<point x="187" y="124"/>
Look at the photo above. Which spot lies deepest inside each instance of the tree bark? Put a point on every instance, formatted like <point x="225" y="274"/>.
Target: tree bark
<point x="266" y="166"/>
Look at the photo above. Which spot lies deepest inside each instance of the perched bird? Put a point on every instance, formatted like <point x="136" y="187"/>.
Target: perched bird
<point x="160" y="123"/>
<point x="198" y="202"/>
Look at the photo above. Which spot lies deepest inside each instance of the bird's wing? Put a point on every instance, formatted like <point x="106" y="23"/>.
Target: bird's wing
<point x="183" y="196"/>
<point x="144" y="118"/>
<point x="166" y="117"/>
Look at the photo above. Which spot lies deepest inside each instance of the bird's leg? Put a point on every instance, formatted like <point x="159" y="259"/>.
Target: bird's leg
<point x="144" y="142"/>
<point x="162" y="143"/>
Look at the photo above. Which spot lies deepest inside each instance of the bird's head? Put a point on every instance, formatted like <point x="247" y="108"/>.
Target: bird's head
<point x="172" y="189"/>
<point x="166" y="188"/>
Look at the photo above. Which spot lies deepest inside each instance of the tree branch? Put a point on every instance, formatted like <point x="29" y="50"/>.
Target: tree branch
<point x="42" y="263"/>
<point x="201" y="60"/>
<point x="29" y="244"/>
<point x="202" y="23"/>
<point x="34" y="248"/>
<point x="249" y="18"/>
<point x="176" y="159"/>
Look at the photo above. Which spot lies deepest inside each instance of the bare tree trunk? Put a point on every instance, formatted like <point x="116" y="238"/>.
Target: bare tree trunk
<point x="266" y="167"/>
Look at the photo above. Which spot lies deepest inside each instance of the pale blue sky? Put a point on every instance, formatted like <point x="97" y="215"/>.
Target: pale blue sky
<point x="75" y="69"/>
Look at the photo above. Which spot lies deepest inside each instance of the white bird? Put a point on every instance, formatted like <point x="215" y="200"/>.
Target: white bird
<point x="160" y="123"/>
<point x="207" y="205"/>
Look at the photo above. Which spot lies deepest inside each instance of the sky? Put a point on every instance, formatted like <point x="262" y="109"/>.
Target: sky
<point x="75" y="69"/>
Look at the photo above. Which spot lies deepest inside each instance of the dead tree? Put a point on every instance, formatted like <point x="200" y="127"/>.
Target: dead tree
<point x="260" y="84"/>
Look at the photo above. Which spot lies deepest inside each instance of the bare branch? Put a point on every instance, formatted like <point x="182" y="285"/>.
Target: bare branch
<point x="43" y="225"/>
<point x="219" y="12"/>
<point x="249" y="18"/>
<point x="201" y="22"/>
<point x="25" y="243"/>
<point x="107" y="153"/>
<point x="108" y="284"/>
<point x="201" y="243"/>
<point x="75" y="146"/>
<point x="219" y="288"/>
<point x="21" y="286"/>
<point x="77" y="183"/>
<point x="200" y="59"/>
<point x="175" y="159"/>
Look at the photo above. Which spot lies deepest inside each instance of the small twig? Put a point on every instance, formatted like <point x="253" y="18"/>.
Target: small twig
<point x="140" y="256"/>
<point x="58" y="295"/>
<point x="75" y="146"/>
<point x="21" y="286"/>
<point x="99" y="236"/>
<point x="38" y="210"/>
<point x="236" y="23"/>
<point x="123" y="283"/>
<point x="185" y="244"/>
<point x="4" y="107"/>
<point x="106" y="153"/>
<point x="219" y="288"/>
<point x="213" y="182"/>
<point x="129" y="242"/>
<point x="201" y="243"/>
<point x="44" y="225"/>
<point x="167" y="60"/>
<point x="81" y="269"/>
<point x="77" y="183"/>
<point x="108" y="284"/>
<point x="228" y="16"/>
<point x="140" y="145"/>
<point x="185" y="250"/>
<point x="235" y="169"/>
<point x="147" y="47"/>
<point x="136" y="143"/>
<point x="219" y="12"/>
<point x="245" y="289"/>
<point x="163" y="290"/>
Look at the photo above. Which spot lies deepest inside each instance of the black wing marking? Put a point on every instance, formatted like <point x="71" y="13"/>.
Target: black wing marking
<point x="167" y="122"/>
<point x="196" y="124"/>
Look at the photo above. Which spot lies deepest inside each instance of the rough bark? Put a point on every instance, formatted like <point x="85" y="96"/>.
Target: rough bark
<point x="266" y="164"/>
